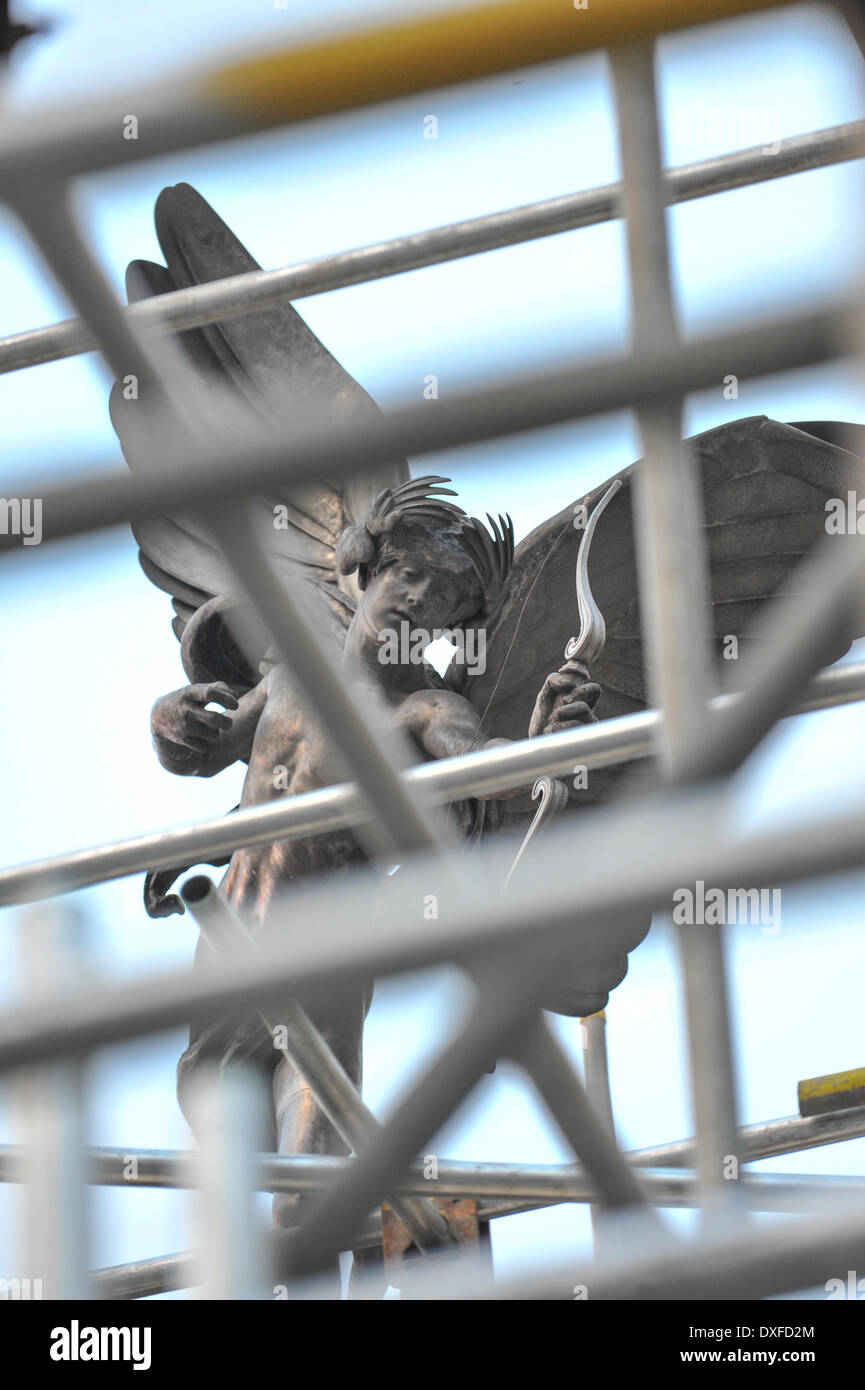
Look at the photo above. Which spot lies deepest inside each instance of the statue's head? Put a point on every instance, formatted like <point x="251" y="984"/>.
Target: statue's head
<point x="420" y="560"/>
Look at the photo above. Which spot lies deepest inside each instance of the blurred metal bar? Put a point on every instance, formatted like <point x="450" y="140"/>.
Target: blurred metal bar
<point x="146" y="1278"/>
<point x="597" y="1080"/>
<point x="587" y="1132"/>
<point x="802" y="1254"/>
<point x="852" y="12"/>
<point x="366" y="750"/>
<point x="776" y="1192"/>
<point x="509" y="991"/>
<point x="806" y="629"/>
<point x="325" y="77"/>
<point x="538" y="1184"/>
<point x="110" y="497"/>
<point x="605" y="744"/>
<point x="48" y="1104"/>
<point x="304" y="1046"/>
<point x="684" y="830"/>
<point x="44" y="210"/>
<point x="596" y="1067"/>
<point x="673" y="839"/>
<point x="262" y="289"/>
<point x="371" y="749"/>
<point x="673" y="574"/>
<point x="672" y="565"/>
<point x="302" y="1173"/>
<point x="229" y="1118"/>
<point x="767" y="1139"/>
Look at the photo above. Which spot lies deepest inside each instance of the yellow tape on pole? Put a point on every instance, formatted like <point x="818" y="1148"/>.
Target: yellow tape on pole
<point x="841" y="1090"/>
<point x="448" y="48"/>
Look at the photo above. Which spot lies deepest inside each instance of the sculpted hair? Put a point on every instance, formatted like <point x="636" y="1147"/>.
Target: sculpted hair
<point x="420" y="500"/>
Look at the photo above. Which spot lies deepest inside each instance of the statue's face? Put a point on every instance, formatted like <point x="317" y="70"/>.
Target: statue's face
<point x="422" y="590"/>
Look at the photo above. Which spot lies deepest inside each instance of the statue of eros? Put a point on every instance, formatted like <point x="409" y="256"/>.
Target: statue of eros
<point x="379" y="558"/>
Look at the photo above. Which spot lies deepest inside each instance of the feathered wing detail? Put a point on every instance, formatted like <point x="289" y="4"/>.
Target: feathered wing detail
<point x="264" y="373"/>
<point x="765" y="488"/>
<point x="493" y="554"/>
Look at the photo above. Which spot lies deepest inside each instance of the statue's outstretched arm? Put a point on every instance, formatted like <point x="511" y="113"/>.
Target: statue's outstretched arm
<point x="194" y="741"/>
<point x="446" y="725"/>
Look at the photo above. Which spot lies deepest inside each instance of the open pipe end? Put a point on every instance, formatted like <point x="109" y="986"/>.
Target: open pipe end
<point x="196" y="889"/>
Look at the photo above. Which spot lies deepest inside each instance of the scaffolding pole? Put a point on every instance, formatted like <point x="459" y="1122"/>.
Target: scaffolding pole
<point x="509" y="946"/>
<point x="606" y="744"/>
<point x="263" y="289"/>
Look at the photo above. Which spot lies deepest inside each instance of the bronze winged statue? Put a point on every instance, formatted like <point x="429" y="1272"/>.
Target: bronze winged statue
<point x="380" y="550"/>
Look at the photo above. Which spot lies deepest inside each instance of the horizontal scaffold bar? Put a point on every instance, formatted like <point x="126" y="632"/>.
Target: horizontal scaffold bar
<point x="334" y="75"/>
<point x="605" y="744"/>
<point x="110" y="497"/>
<point x="674" y="838"/>
<point x="776" y="1192"/>
<point x="544" y="1183"/>
<point x="261" y="289"/>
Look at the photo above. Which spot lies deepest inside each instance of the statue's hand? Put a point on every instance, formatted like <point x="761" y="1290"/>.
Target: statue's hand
<point x="567" y="700"/>
<point x="181" y="717"/>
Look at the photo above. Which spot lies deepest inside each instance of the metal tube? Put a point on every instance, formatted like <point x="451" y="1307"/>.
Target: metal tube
<point x="673" y="840"/>
<point x="777" y="1192"/>
<point x="358" y="731"/>
<point x="597" y="1080"/>
<point x="342" y="74"/>
<point x="48" y="1103"/>
<point x="605" y="744"/>
<point x="262" y="289"/>
<point x="526" y="1186"/>
<point x="228" y="1115"/>
<point x="674" y="592"/>
<point x="146" y="1278"/>
<point x="45" y="211"/>
<point x="111" y="497"/>
<point x="509" y="986"/>
<point x="596" y="1067"/>
<point x="804" y="629"/>
<point x="366" y="750"/>
<point x="767" y="1139"/>
<point x="303" y="1174"/>
<point x="304" y="1046"/>
<point x="801" y="1254"/>
<point x="588" y="1134"/>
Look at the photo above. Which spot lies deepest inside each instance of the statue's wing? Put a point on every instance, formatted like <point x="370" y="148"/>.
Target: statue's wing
<point x="264" y="374"/>
<point x="765" y="487"/>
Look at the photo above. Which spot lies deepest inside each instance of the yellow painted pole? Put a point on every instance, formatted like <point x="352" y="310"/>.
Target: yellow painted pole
<point x="841" y="1090"/>
<point x="458" y="46"/>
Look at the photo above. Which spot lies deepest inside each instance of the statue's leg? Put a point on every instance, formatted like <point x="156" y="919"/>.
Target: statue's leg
<point x="301" y="1125"/>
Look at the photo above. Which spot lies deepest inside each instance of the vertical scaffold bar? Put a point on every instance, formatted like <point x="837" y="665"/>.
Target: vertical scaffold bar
<point x="48" y="1101"/>
<point x="673" y="578"/>
<point x="307" y="1050"/>
<point x="597" y="1081"/>
<point x="229" y="1116"/>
